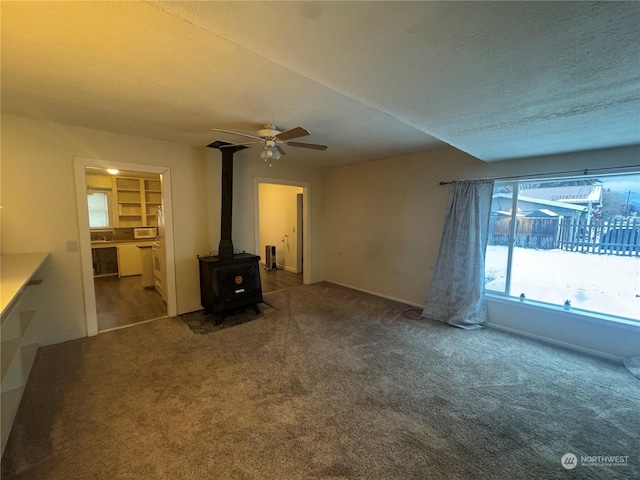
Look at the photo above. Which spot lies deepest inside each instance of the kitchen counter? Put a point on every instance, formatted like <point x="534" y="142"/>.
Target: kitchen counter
<point x="141" y="243"/>
<point x="119" y="257"/>
<point x="18" y="311"/>
<point x="17" y="270"/>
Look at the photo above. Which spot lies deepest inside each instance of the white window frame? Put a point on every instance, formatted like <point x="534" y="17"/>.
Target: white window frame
<point x="506" y="295"/>
<point x="107" y="199"/>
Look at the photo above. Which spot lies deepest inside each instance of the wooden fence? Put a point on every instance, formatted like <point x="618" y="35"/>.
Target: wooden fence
<point x="612" y="237"/>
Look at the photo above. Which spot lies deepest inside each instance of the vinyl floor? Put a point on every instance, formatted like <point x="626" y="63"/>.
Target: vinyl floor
<point x="275" y="280"/>
<point x="123" y="301"/>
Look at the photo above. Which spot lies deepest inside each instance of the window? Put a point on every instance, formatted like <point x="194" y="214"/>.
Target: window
<point x="573" y="239"/>
<point x="98" y="210"/>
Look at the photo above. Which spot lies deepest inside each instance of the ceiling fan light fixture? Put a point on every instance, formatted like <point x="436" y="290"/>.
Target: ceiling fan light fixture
<point x="270" y="152"/>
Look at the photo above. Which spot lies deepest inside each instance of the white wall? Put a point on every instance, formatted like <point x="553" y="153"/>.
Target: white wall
<point x="383" y="222"/>
<point x="587" y="333"/>
<point x="39" y="207"/>
<point x="40" y="214"/>
<point x="278" y="217"/>
<point x="384" y="219"/>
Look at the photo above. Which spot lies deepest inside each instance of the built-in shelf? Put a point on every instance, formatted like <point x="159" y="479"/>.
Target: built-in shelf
<point x="28" y="353"/>
<point x="9" y="350"/>
<point x="9" y="399"/>
<point x="18" y="275"/>
<point x="135" y="198"/>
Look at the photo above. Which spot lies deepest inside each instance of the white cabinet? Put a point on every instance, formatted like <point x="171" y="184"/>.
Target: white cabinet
<point x="18" y="309"/>
<point x="103" y="182"/>
<point x="152" y="200"/>
<point x="129" y="261"/>
<point x="146" y="256"/>
<point x="129" y="201"/>
<point x="137" y="201"/>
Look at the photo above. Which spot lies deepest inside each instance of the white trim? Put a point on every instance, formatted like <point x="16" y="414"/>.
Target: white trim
<point x="558" y="343"/>
<point x="574" y="313"/>
<point x="306" y="219"/>
<point x="388" y="297"/>
<point x="86" y="260"/>
<point x="133" y="324"/>
<point x="80" y="163"/>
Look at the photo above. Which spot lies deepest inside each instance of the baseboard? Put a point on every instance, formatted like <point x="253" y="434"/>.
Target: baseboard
<point x="559" y="343"/>
<point x="388" y="297"/>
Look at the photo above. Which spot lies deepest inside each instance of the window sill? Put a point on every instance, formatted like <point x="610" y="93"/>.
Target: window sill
<point x="559" y="311"/>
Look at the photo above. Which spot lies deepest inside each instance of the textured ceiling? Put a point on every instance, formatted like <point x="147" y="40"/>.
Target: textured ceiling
<point x="370" y="79"/>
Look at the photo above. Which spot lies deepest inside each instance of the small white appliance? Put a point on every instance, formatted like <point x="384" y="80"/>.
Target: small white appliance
<point x="144" y="232"/>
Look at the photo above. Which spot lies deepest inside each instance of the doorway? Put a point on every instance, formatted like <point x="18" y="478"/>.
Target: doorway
<point x="117" y="296"/>
<point x="282" y="218"/>
<point x="279" y="227"/>
<point x="125" y="245"/>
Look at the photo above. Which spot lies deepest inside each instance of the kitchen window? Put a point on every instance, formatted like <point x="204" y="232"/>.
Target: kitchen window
<point x="572" y="243"/>
<point x="98" y="203"/>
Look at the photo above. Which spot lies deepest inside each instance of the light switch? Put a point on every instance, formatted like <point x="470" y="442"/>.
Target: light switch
<point x="72" y="246"/>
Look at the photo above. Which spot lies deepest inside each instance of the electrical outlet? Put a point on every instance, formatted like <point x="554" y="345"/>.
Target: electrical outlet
<point x="72" y="246"/>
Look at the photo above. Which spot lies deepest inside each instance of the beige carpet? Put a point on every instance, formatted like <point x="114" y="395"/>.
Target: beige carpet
<point x="326" y="383"/>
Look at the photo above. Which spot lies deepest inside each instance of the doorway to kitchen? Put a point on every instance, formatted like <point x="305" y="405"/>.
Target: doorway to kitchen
<point x="126" y="243"/>
<point x="282" y="239"/>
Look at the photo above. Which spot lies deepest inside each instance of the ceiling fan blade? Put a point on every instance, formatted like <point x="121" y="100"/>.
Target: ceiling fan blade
<point x="236" y="133"/>
<point x="313" y="146"/>
<point x="280" y="150"/>
<point x="292" y="133"/>
<point x="238" y="144"/>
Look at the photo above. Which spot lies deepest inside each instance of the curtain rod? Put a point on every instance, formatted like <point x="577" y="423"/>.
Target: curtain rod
<point x="586" y="171"/>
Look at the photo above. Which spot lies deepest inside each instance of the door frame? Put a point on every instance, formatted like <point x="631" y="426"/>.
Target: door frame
<point x="300" y="232"/>
<point x="80" y="164"/>
<point x="306" y="218"/>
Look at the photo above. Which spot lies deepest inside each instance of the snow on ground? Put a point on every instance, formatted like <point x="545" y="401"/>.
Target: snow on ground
<point x="601" y="283"/>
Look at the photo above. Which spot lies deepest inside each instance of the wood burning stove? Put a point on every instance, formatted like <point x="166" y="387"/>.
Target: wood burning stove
<point x="229" y="280"/>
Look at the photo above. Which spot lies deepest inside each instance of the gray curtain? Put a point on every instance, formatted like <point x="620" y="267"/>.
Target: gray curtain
<point x="456" y="294"/>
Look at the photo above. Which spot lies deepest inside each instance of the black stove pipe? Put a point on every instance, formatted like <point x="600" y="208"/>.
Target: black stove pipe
<point x="225" y="248"/>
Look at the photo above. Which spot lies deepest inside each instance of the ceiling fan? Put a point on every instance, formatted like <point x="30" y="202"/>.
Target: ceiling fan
<point x="271" y="139"/>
